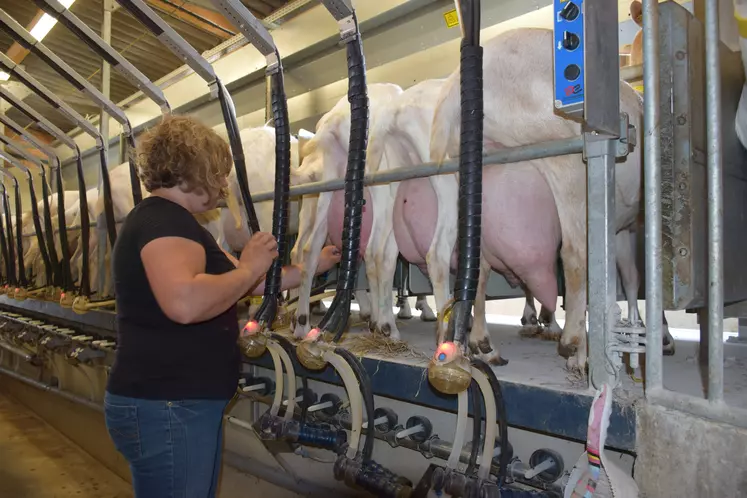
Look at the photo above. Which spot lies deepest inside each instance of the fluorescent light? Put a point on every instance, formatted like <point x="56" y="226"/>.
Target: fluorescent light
<point x="4" y="76"/>
<point x="46" y="22"/>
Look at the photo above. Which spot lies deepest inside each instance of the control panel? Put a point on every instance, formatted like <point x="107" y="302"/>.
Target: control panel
<point x="568" y="56"/>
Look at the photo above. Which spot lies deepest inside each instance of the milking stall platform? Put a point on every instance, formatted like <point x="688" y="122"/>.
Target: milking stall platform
<point x="647" y="417"/>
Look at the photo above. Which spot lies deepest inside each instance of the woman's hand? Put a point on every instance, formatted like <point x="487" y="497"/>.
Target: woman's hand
<point x="259" y="253"/>
<point x="328" y="258"/>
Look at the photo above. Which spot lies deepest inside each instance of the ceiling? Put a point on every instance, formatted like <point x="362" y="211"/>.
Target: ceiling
<point x="195" y="20"/>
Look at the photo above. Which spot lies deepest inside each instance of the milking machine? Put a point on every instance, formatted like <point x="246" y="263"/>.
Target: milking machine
<point x="54" y="264"/>
<point x="61" y="269"/>
<point x="450" y="370"/>
<point x="258" y="337"/>
<point x="66" y="297"/>
<point x="23" y="293"/>
<point x="21" y="283"/>
<point x="25" y="39"/>
<point x="133" y="75"/>
<point x="354" y="467"/>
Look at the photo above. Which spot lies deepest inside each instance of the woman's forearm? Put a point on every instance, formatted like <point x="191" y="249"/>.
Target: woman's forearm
<point x="290" y="279"/>
<point x="207" y="296"/>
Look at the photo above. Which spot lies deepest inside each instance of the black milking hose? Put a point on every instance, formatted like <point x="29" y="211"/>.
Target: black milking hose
<point x="9" y="234"/>
<point x="365" y="384"/>
<point x="38" y="229"/>
<point x="474" y="391"/>
<point x="85" y="231"/>
<point x="49" y="230"/>
<point x="67" y="279"/>
<point x="500" y="404"/>
<point x="237" y="151"/>
<point x="470" y="174"/>
<point x="137" y="193"/>
<point x="351" y="233"/>
<point x="19" y="235"/>
<point x="281" y="205"/>
<point x="111" y="226"/>
<point x="4" y="249"/>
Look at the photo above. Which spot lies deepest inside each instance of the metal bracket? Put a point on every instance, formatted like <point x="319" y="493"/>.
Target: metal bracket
<point x="625" y="143"/>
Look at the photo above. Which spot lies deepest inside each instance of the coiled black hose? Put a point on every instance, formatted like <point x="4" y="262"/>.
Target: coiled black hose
<point x="49" y="230"/>
<point x="500" y="404"/>
<point x="67" y="279"/>
<point x="237" y="151"/>
<point x="38" y="229"/>
<point x="337" y="316"/>
<point x="9" y="234"/>
<point x="4" y="248"/>
<point x="474" y="391"/>
<point x="137" y="193"/>
<point x="111" y="223"/>
<point x="281" y="205"/>
<point x="470" y="173"/>
<point x="85" y="231"/>
<point x="365" y="384"/>
<point x="19" y="235"/>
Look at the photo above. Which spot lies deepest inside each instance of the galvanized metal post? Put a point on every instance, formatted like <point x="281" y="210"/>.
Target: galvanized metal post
<point x="101" y="235"/>
<point x="600" y="195"/>
<point x="602" y="119"/>
<point x="715" y="207"/>
<point x="652" y="195"/>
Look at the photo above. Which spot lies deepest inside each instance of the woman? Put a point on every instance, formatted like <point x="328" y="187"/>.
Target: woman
<point x="177" y="362"/>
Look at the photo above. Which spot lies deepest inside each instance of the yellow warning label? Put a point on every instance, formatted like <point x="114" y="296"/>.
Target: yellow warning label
<point x="638" y="88"/>
<point x="452" y="18"/>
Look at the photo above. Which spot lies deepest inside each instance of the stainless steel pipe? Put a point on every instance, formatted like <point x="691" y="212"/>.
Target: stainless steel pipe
<point x="652" y="195"/>
<point x="715" y="206"/>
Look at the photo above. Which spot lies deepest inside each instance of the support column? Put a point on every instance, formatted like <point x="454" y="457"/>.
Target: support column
<point x="103" y="242"/>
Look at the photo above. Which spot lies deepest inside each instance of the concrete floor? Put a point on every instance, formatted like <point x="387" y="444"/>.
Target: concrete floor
<point x="38" y="462"/>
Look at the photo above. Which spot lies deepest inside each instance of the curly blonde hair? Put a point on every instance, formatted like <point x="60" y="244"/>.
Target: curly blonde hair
<point x="181" y="151"/>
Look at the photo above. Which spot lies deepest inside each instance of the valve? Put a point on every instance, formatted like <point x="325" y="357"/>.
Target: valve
<point x="304" y="397"/>
<point x="371" y="477"/>
<point x="449" y="370"/>
<point x="545" y="465"/>
<point x="55" y="342"/>
<point x="417" y="428"/>
<point x="385" y="419"/>
<point x="84" y="355"/>
<point x="329" y="405"/>
<point x="262" y="385"/>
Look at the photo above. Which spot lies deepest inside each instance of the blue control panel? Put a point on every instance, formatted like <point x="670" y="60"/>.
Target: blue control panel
<point x="568" y="56"/>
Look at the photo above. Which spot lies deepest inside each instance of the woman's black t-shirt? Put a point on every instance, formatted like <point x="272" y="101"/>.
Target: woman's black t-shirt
<point x="157" y="358"/>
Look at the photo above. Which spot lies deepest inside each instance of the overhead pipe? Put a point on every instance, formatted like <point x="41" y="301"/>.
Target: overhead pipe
<point x="179" y="46"/>
<point x="32" y="197"/>
<point x="258" y="328"/>
<point x="19" y="292"/>
<point x="63" y="15"/>
<point x="26" y="40"/>
<point x="66" y="298"/>
<point x="52" y="159"/>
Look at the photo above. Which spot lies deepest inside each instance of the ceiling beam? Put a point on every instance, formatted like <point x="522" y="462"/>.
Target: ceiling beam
<point x="201" y="18"/>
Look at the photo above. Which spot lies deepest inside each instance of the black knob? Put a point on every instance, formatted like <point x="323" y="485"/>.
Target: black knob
<point x="570" y="12"/>
<point x="572" y="72"/>
<point x="571" y="41"/>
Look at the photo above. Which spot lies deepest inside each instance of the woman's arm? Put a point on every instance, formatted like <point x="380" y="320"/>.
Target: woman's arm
<point x="175" y="268"/>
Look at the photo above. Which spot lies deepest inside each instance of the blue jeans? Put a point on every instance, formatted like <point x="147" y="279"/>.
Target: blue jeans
<point x="173" y="447"/>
